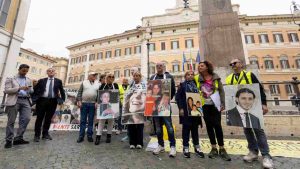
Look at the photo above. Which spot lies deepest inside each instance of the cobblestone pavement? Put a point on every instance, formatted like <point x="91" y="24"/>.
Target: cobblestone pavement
<point x="64" y="152"/>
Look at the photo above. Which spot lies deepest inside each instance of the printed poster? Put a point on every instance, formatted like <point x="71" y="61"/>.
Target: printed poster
<point x="194" y="106"/>
<point x="109" y="106"/>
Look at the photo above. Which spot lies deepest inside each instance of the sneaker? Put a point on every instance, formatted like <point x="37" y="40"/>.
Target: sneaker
<point x="132" y="147"/>
<point x="90" y="139"/>
<point x="186" y="153"/>
<point x="172" y="152"/>
<point x="199" y="153"/>
<point x="223" y="154"/>
<point x="36" y="139"/>
<point x="47" y="137"/>
<point x="20" y="141"/>
<point x="124" y="139"/>
<point x="8" y="144"/>
<point x="158" y="150"/>
<point x="139" y="146"/>
<point x="98" y="138"/>
<point x="252" y="156"/>
<point x="213" y="153"/>
<point x="80" y="139"/>
<point x="267" y="162"/>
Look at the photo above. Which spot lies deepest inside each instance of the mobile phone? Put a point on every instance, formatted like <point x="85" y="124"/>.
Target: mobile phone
<point x="29" y="86"/>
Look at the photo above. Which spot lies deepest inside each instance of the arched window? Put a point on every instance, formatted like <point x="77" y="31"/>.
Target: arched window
<point x="284" y="62"/>
<point x="269" y="64"/>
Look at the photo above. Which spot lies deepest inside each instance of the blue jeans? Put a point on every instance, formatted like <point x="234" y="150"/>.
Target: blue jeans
<point x="87" y="113"/>
<point x="257" y="140"/>
<point x="159" y="121"/>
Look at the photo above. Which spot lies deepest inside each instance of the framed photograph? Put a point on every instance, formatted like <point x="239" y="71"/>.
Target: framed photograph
<point x="109" y="106"/>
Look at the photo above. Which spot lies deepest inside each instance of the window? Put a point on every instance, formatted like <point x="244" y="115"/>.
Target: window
<point x="92" y="57"/>
<point x="276" y="101"/>
<point x="81" y="78"/>
<point x="174" y="45"/>
<point x="284" y="64"/>
<point x="176" y="67"/>
<point x="254" y="61"/>
<point x="249" y="39"/>
<point x="189" y="43"/>
<point x="34" y="60"/>
<point x="99" y="55"/>
<point x="33" y="70"/>
<point x="293" y="37"/>
<point x="78" y="60"/>
<point x="152" y="47"/>
<point x="76" y="79"/>
<point x="137" y="49"/>
<point x="28" y="57"/>
<point x="20" y="54"/>
<point x="127" y="72"/>
<point x="278" y="38"/>
<point x="263" y="38"/>
<point x="163" y="45"/>
<point x="72" y="61"/>
<point x="174" y="30"/>
<point x="117" y="52"/>
<point x="269" y="64"/>
<point x="84" y="58"/>
<point x="117" y="74"/>
<point x="289" y="89"/>
<point x="298" y="63"/>
<point x="152" y="70"/>
<point x="189" y="66"/>
<point x="274" y="89"/>
<point x="127" y="51"/>
<point x="108" y="54"/>
<point x="70" y="79"/>
<point x="4" y="8"/>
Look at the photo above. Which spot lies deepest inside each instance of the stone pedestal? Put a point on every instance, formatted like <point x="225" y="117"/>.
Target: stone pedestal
<point x="220" y="35"/>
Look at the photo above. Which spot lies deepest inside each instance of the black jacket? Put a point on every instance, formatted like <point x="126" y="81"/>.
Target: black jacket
<point x="233" y="118"/>
<point x="40" y="88"/>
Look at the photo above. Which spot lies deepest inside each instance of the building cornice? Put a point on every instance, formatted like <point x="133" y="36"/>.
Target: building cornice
<point x="37" y="55"/>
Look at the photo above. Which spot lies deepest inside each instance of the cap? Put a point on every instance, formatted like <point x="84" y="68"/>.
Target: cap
<point x="93" y="73"/>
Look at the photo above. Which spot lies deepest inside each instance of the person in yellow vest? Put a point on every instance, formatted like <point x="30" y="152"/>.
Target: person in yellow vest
<point x="256" y="138"/>
<point x="122" y="88"/>
<point x="213" y="101"/>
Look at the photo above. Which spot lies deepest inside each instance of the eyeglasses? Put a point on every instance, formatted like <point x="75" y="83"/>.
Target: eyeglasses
<point x="190" y="74"/>
<point x="233" y="64"/>
<point x="111" y="77"/>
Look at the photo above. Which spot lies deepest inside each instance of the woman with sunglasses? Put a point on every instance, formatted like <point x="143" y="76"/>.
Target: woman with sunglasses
<point x="108" y="85"/>
<point x="190" y="124"/>
<point x="212" y="92"/>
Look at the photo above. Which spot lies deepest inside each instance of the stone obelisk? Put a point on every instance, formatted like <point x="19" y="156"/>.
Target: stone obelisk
<point x="220" y="34"/>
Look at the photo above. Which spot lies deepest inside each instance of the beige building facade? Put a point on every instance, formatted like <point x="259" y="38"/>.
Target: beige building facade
<point x="270" y="41"/>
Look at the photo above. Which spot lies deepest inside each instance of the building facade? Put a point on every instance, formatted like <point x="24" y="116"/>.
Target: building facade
<point x="270" y="41"/>
<point x="13" y="17"/>
<point x="38" y="63"/>
<point x="61" y="68"/>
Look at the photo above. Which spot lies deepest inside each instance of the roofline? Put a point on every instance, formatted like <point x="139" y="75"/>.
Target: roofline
<point x="36" y="54"/>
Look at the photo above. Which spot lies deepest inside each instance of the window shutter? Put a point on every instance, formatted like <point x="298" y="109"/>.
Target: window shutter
<point x="278" y="89"/>
<point x="186" y="45"/>
<point x="246" y="39"/>
<point x="296" y="37"/>
<point x="267" y="38"/>
<point x="260" y="38"/>
<point x="290" y="37"/>
<point x="274" y="37"/>
<point x="281" y="38"/>
<point x="252" y="38"/>
<point x="287" y="89"/>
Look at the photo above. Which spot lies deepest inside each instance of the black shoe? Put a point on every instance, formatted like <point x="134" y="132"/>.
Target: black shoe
<point x="224" y="155"/>
<point x="186" y="153"/>
<point x="213" y="153"/>
<point x="20" y="141"/>
<point x="108" y="138"/>
<point x="90" y="139"/>
<point x="36" y="139"/>
<point x="80" y="139"/>
<point x="8" y="144"/>
<point x="47" y="137"/>
<point x="98" y="138"/>
<point x="199" y="153"/>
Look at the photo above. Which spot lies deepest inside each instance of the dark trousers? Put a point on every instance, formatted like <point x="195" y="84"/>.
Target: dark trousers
<point x="159" y="122"/>
<point x="87" y="112"/>
<point x="186" y="130"/>
<point x="45" y="109"/>
<point x="212" y="118"/>
<point x="120" y="127"/>
<point x="136" y="134"/>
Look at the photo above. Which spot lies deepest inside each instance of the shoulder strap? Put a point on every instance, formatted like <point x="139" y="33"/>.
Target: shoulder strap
<point x="232" y="79"/>
<point x="245" y="77"/>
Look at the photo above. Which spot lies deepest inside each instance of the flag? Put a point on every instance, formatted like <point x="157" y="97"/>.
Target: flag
<point x="191" y="64"/>
<point x="183" y="61"/>
<point x="198" y="57"/>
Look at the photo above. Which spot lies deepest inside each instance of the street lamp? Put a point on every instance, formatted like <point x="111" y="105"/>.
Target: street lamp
<point x="295" y="11"/>
<point x="148" y="37"/>
<point x="295" y="83"/>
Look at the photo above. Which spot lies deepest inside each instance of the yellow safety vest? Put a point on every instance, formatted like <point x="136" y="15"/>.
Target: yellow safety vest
<point x="122" y="91"/>
<point x="244" y="78"/>
<point x="198" y="84"/>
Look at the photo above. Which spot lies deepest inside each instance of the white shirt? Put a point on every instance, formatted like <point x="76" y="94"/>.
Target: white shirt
<point x="47" y="88"/>
<point x="242" y="114"/>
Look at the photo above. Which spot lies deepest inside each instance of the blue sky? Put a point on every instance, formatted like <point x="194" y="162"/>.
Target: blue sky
<point x="54" y="24"/>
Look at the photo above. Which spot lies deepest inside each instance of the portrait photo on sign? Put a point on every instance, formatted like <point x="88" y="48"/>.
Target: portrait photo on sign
<point x="108" y="107"/>
<point x="134" y="106"/>
<point x="243" y="106"/>
<point x="158" y="98"/>
<point x="194" y="104"/>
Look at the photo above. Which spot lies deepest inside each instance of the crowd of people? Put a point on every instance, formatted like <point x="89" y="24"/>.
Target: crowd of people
<point x="47" y="93"/>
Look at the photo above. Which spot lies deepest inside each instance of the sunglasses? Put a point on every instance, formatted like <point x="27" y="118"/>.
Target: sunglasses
<point x="111" y="76"/>
<point x="190" y="74"/>
<point x="233" y="64"/>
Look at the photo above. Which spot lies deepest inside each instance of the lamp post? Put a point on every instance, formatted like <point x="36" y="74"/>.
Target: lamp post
<point x="295" y="11"/>
<point x="295" y="83"/>
<point x="148" y="37"/>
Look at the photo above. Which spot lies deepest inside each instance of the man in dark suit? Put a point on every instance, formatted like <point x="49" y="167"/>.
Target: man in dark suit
<point x="47" y="93"/>
<point x="240" y="115"/>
